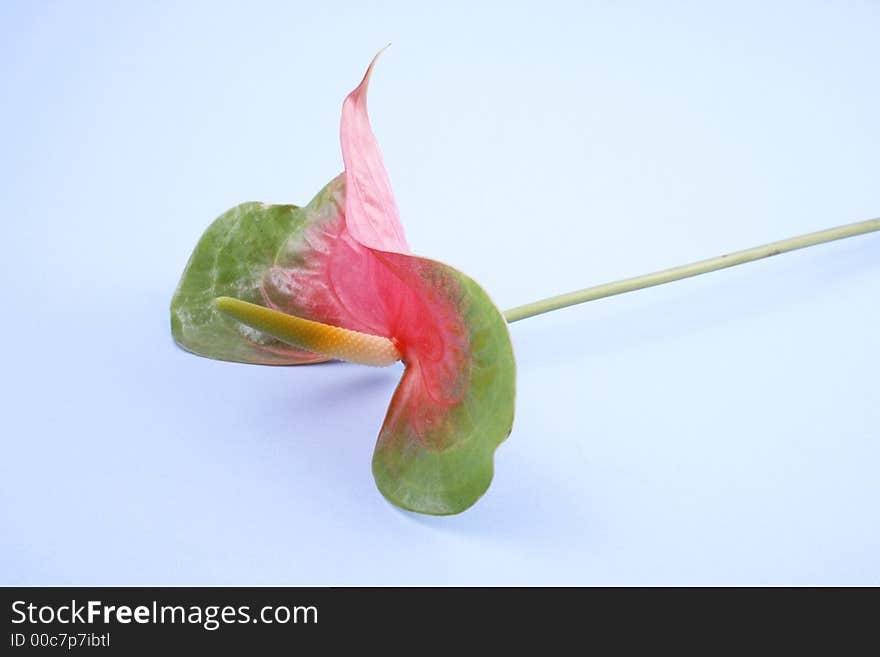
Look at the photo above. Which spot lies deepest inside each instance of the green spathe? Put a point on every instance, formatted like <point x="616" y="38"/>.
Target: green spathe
<point x="445" y="470"/>
<point x="232" y="259"/>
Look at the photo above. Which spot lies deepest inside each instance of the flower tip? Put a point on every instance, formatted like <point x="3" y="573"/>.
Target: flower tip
<point x="224" y="304"/>
<point x="366" y="81"/>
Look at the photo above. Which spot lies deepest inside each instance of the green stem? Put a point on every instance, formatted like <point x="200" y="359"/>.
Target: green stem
<point x="693" y="269"/>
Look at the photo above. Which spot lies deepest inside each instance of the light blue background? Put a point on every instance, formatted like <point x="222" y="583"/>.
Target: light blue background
<point x="718" y="430"/>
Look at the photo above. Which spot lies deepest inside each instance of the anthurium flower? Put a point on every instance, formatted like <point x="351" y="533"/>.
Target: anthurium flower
<point x="284" y="285"/>
<point x="280" y="284"/>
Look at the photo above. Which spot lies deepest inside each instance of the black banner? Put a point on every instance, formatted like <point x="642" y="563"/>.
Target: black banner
<point x="275" y="620"/>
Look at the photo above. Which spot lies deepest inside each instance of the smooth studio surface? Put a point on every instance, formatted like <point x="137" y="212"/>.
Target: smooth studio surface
<point x="723" y="429"/>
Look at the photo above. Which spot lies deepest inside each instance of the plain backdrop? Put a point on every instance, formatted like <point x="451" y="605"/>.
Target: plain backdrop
<point x="724" y="429"/>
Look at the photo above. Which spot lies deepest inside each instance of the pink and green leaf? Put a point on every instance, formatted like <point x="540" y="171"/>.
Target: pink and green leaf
<point x="454" y="404"/>
<point x="232" y="259"/>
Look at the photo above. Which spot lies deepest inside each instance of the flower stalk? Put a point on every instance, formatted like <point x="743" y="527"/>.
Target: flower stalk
<point x="692" y="269"/>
